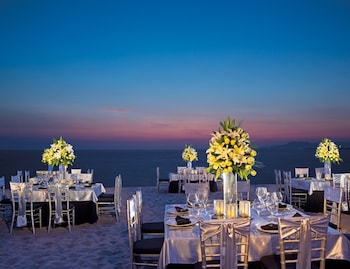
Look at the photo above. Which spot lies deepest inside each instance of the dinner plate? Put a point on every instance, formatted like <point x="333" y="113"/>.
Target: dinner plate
<point x="174" y="212"/>
<point x="258" y="227"/>
<point x="172" y="223"/>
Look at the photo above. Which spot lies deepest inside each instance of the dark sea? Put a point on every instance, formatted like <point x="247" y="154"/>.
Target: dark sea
<point x="138" y="167"/>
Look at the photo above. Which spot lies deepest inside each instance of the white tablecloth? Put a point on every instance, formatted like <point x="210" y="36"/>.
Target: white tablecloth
<point x="309" y="185"/>
<point x="77" y="194"/>
<point x="182" y="245"/>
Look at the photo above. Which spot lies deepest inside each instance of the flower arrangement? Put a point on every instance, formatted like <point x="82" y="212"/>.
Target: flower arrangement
<point x="230" y="151"/>
<point x="189" y="154"/>
<point x="327" y="151"/>
<point x="60" y="152"/>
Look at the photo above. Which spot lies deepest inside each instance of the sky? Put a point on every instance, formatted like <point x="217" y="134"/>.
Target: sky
<point x="163" y="74"/>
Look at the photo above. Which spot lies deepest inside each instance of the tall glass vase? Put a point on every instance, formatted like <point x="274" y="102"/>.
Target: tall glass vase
<point x="62" y="170"/>
<point x="327" y="170"/>
<point x="229" y="189"/>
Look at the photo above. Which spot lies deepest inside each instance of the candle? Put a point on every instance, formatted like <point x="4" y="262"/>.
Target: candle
<point x="231" y="211"/>
<point x="218" y="207"/>
<point x="244" y="209"/>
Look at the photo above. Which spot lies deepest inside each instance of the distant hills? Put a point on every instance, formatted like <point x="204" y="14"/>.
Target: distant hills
<point x="308" y="145"/>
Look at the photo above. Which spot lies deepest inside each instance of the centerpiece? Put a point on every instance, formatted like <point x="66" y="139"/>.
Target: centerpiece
<point x="59" y="154"/>
<point x="189" y="155"/>
<point x="327" y="152"/>
<point x="229" y="155"/>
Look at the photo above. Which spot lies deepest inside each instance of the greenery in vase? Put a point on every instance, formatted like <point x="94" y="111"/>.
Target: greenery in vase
<point x="327" y="151"/>
<point x="60" y="152"/>
<point x="230" y="150"/>
<point x="189" y="154"/>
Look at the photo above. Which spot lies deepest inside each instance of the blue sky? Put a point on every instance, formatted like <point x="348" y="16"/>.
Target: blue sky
<point x="162" y="74"/>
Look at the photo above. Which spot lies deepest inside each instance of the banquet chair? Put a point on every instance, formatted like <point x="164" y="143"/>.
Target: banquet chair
<point x="293" y="196"/>
<point x="20" y="175"/>
<point x="161" y="181"/>
<point x="111" y="202"/>
<point x="86" y="177"/>
<point x="302" y="244"/>
<point x="15" y="179"/>
<point x="4" y="201"/>
<point x="23" y="206"/>
<point x="341" y="181"/>
<point x="26" y="175"/>
<point x="320" y="171"/>
<point x="243" y="190"/>
<point x="60" y="209"/>
<point x="147" y="228"/>
<point x="332" y="205"/>
<point x="143" y="252"/>
<point x="278" y="180"/>
<point x="224" y="243"/>
<point x="301" y="172"/>
<point x="75" y="171"/>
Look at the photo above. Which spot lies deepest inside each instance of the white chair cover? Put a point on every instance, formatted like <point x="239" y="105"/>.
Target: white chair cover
<point x="18" y="191"/>
<point x="226" y="230"/>
<point x="289" y="226"/>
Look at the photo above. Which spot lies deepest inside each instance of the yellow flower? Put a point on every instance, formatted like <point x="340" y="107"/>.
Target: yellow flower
<point x="230" y="151"/>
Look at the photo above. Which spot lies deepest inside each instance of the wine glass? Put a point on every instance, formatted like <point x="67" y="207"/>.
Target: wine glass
<point x="258" y="206"/>
<point x="261" y="193"/>
<point x="202" y="196"/>
<point x="192" y="200"/>
<point x="272" y="204"/>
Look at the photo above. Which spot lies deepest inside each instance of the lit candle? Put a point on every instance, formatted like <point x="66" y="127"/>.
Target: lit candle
<point x="218" y="207"/>
<point x="231" y="211"/>
<point x="244" y="209"/>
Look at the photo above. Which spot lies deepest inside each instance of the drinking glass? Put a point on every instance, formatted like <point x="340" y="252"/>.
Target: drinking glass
<point x="258" y="206"/>
<point x="272" y="204"/>
<point x="202" y="197"/>
<point x="261" y="193"/>
<point x="192" y="200"/>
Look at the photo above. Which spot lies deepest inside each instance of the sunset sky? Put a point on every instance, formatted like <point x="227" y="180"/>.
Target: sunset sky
<point x="162" y="74"/>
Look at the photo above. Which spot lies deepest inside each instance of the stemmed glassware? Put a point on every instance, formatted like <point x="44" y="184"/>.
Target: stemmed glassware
<point x="192" y="201"/>
<point x="202" y="196"/>
<point x="272" y="203"/>
<point x="261" y="193"/>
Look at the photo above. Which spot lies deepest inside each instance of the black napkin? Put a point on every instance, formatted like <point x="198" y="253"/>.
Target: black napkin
<point x="182" y="221"/>
<point x="282" y="206"/>
<point x="297" y="215"/>
<point x="180" y="209"/>
<point x="270" y="226"/>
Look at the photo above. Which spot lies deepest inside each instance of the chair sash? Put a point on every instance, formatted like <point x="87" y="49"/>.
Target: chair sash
<point x="227" y="231"/>
<point x="18" y="189"/>
<point x="58" y="204"/>
<point x="303" y="225"/>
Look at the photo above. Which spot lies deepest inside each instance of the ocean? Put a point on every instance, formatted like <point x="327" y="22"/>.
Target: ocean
<point x="138" y="167"/>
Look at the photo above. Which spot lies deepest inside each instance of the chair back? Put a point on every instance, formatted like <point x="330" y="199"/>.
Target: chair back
<point x="2" y="188"/>
<point x="332" y="206"/>
<point x="181" y="169"/>
<point x="301" y="172"/>
<point x="287" y="177"/>
<point x="195" y="187"/>
<point x="118" y="184"/>
<point x="133" y="222"/>
<point x="243" y="190"/>
<point x="75" y="171"/>
<point x="278" y="180"/>
<point x="225" y="243"/>
<point x="319" y="172"/>
<point x="20" y="176"/>
<point x="26" y="175"/>
<point x="302" y="241"/>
